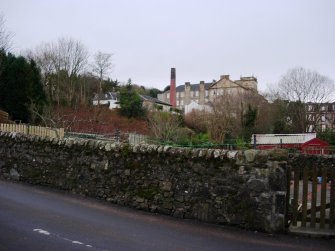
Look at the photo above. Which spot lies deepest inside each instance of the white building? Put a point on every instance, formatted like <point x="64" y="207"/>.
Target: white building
<point x="110" y="99"/>
<point x="196" y="106"/>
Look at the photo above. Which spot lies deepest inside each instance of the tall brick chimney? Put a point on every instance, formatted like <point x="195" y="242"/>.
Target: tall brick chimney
<point x="173" y="88"/>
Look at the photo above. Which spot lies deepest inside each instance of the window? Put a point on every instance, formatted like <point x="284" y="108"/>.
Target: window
<point x="206" y="93"/>
<point x="182" y="94"/>
<point x="323" y="128"/>
<point x="177" y="102"/>
<point x="311" y="117"/>
<point x="182" y="102"/>
<point x="197" y="93"/>
<point x="310" y="108"/>
<point x="168" y="95"/>
<point x="178" y="93"/>
<point x="310" y="128"/>
<point x="323" y="118"/>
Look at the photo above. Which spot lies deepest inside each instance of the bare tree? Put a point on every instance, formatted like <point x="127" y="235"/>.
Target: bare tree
<point x="234" y="115"/>
<point x="45" y="56"/>
<point x="61" y="63"/>
<point x="73" y="57"/>
<point x="5" y="36"/>
<point x="304" y="85"/>
<point x="164" y="126"/>
<point x="300" y="88"/>
<point x="224" y="119"/>
<point x="101" y="66"/>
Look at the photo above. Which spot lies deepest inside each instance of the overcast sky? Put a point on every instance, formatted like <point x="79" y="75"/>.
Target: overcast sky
<point x="202" y="39"/>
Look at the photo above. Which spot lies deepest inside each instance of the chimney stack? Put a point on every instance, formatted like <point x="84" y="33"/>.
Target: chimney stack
<point x="173" y="87"/>
<point x="224" y="77"/>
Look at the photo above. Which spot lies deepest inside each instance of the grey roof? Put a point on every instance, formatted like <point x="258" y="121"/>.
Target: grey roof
<point x="107" y="96"/>
<point x="194" y="87"/>
<point x="155" y="100"/>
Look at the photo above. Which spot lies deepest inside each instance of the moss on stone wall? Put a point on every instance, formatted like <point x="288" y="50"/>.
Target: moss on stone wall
<point x="217" y="186"/>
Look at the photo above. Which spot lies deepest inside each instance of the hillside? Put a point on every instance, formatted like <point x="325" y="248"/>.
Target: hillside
<point x="97" y="120"/>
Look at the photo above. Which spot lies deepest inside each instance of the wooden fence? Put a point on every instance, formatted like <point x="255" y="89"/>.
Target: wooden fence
<point x="134" y="138"/>
<point x="312" y="193"/>
<point x="33" y="130"/>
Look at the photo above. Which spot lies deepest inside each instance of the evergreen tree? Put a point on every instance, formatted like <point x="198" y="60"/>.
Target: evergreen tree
<point x="21" y="88"/>
<point x="130" y="102"/>
<point x="249" y="121"/>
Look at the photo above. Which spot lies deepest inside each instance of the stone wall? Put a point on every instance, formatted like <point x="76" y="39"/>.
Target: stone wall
<point x="245" y="188"/>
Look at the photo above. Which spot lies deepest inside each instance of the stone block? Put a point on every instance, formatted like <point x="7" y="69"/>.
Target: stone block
<point x="250" y="155"/>
<point x="165" y="185"/>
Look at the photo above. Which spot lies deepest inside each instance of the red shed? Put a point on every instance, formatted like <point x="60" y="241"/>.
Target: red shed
<point x="315" y="146"/>
<point x="305" y="142"/>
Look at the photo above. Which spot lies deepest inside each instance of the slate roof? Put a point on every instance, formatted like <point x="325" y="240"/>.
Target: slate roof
<point x="194" y="87"/>
<point x="155" y="100"/>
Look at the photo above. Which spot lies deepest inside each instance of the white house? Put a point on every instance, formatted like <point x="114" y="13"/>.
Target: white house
<point x="111" y="99"/>
<point x="195" y="106"/>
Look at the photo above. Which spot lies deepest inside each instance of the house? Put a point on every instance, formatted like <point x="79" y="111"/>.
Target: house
<point x="111" y="99"/>
<point x="305" y="142"/>
<point x="196" y="106"/>
<point x="320" y="116"/>
<point x="205" y="92"/>
<point x="151" y="103"/>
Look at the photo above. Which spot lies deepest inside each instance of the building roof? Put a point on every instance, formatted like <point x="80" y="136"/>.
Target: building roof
<point x="194" y="87"/>
<point x="315" y="143"/>
<point x="274" y="139"/>
<point x="107" y="96"/>
<point x="155" y="100"/>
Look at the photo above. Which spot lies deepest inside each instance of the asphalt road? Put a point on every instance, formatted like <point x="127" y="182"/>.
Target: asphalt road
<point x="34" y="218"/>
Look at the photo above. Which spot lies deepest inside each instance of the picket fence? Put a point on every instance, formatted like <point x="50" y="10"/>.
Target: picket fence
<point x="33" y="130"/>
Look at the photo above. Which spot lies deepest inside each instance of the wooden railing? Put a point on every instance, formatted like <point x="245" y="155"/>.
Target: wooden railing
<point x="312" y="193"/>
<point x="33" y="130"/>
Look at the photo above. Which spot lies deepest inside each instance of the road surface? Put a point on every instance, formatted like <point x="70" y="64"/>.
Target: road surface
<point x="35" y="218"/>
